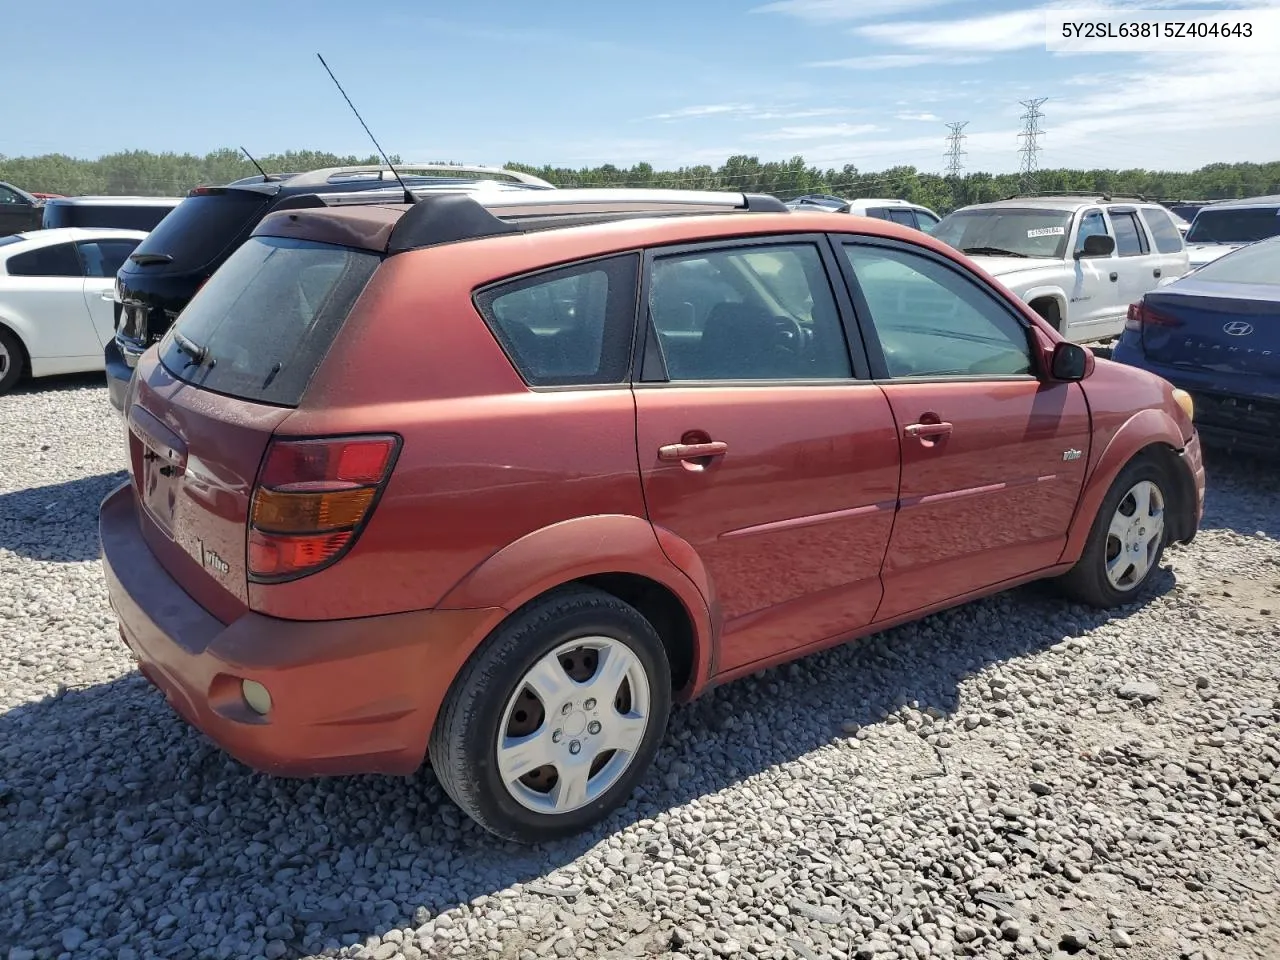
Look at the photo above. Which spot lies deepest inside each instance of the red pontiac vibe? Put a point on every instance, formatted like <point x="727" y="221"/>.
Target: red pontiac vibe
<point x="494" y="480"/>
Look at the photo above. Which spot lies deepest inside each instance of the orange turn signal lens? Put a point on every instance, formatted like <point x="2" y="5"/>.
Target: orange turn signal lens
<point x="280" y="512"/>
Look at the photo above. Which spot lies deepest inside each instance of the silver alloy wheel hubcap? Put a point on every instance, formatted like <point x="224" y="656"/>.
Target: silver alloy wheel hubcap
<point x="4" y="360"/>
<point x="573" y="725"/>
<point x="1135" y="535"/>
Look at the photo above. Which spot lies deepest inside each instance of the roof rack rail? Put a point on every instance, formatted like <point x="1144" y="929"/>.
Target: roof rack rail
<point x="450" y="217"/>
<point x="1100" y="195"/>
<point x="457" y="171"/>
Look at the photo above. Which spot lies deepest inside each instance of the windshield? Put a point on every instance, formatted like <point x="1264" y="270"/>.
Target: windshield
<point x="1015" y="231"/>
<point x="198" y="230"/>
<point x="1257" y="263"/>
<point x="260" y="327"/>
<point x="1238" y="225"/>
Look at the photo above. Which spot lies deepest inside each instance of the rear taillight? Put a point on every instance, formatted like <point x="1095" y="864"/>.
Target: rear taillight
<point x="311" y="500"/>
<point x="1141" y="315"/>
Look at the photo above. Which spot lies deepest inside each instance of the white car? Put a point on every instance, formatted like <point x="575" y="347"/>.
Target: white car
<point x="1229" y="225"/>
<point x="899" y="211"/>
<point x="1077" y="261"/>
<point x="56" y="307"/>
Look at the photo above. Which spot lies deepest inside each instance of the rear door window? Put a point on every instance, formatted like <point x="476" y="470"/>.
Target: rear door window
<point x="570" y="326"/>
<point x="199" y="230"/>
<point x="59" y="260"/>
<point x="102" y="258"/>
<point x="1165" y="234"/>
<point x="902" y="215"/>
<point x="260" y="327"/>
<point x="1130" y="241"/>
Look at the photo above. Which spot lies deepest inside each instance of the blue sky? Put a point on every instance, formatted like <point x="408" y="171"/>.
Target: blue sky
<point x="868" y="82"/>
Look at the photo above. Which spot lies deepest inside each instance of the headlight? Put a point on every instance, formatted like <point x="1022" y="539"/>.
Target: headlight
<point x="1185" y="402"/>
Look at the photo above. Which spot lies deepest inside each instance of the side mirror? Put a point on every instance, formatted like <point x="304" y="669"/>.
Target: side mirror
<point x="1097" y="245"/>
<point x="1070" y="362"/>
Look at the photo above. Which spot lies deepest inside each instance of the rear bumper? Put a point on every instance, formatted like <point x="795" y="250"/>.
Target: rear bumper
<point x="1224" y="419"/>
<point x="1241" y="424"/>
<point x="119" y="373"/>
<point x="347" y="696"/>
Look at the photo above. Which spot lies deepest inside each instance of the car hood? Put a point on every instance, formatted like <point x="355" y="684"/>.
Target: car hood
<point x="1004" y="267"/>
<point x="1202" y="253"/>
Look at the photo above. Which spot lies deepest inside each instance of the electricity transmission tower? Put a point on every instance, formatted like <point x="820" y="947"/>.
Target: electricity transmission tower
<point x="955" y="147"/>
<point x="1030" y="146"/>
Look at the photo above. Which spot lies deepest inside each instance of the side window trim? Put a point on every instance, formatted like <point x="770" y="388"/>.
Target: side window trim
<point x="649" y="367"/>
<point x="866" y="324"/>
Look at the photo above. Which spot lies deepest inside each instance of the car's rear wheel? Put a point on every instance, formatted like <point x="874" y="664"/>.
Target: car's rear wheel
<point x="13" y="360"/>
<point x="556" y="718"/>
<point x="1127" y="540"/>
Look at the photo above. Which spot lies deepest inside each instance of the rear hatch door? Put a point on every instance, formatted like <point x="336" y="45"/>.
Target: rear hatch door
<point x="206" y="403"/>
<point x="167" y="268"/>
<point x="1228" y="328"/>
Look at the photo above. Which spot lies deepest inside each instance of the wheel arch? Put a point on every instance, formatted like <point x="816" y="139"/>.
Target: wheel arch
<point x="13" y="329"/>
<point x="619" y="555"/>
<point x="1149" y="433"/>
<point x="1052" y="295"/>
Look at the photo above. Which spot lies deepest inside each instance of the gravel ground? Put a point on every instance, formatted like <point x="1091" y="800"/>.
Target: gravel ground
<point x="1018" y="777"/>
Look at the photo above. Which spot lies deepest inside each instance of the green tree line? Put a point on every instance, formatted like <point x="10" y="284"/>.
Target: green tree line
<point x="141" y="172"/>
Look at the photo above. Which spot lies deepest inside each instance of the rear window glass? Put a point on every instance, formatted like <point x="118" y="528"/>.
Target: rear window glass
<point x="1234" y="226"/>
<point x="121" y="216"/>
<point x="1166" y="235"/>
<point x="568" y="326"/>
<point x="1258" y="263"/>
<point x="200" y="229"/>
<point x="265" y="319"/>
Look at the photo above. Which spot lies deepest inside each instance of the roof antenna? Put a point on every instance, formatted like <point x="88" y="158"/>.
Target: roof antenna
<point x="408" y="197"/>
<point x="265" y="178"/>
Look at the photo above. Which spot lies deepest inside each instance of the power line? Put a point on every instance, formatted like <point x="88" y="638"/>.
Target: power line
<point x="955" y="147"/>
<point x="1030" y="146"/>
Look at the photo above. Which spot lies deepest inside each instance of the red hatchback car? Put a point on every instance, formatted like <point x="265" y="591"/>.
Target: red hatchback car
<point x="494" y="480"/>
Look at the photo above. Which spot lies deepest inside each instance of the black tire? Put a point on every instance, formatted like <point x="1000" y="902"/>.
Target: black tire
<point x="14" y="360"/>
<point x="464" y="743"/>
<point x="1087" y="581"/>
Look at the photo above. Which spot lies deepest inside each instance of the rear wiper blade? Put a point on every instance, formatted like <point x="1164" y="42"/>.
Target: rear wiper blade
<point x="195" y="351"/>
<point x="993" y="252"/>
<point x="144" y="258"/>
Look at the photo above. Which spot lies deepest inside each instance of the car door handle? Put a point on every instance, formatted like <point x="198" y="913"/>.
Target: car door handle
<point x="1155" y="272"/>
<point x="692" y="451"/>
<point x="108" y="296"/>
<point x="1115" y="276"/>
<point x="923" y="430"/>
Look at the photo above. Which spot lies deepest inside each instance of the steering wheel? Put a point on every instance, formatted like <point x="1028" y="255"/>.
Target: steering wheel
<point x="790" y="334"/>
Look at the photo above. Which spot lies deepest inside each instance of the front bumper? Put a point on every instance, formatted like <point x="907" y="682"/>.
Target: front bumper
<point x="1193" y="459"/>
<point x="347" y="696"/>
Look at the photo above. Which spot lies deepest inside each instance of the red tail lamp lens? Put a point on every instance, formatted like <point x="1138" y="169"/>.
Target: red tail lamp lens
<point x="311" y="499"/>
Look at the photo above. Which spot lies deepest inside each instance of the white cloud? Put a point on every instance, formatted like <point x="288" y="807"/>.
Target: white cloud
<point x="922" y="117"/>
<point x="704" y="110"/>
<point x="827" y="11"/>
<point x="820" y="131"/>
<point x="997" y="32"/>
<point x="799" y="114"/>
<point x="894" y="61"/>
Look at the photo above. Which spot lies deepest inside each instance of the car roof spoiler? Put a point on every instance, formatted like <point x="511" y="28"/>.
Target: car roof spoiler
<point x="449" y="216"/>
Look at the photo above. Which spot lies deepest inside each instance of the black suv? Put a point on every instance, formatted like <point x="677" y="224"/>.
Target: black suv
<point x="19" y="210"/>
<point x="180" y="254"/>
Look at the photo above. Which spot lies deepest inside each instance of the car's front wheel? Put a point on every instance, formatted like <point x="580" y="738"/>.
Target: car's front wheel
<point x="1127" y="541"/>
<point x="556" y="718"/>
<point x="13" y="360"/>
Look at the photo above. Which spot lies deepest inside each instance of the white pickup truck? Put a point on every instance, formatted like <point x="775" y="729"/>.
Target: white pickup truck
<point x="1078" y="261"/>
